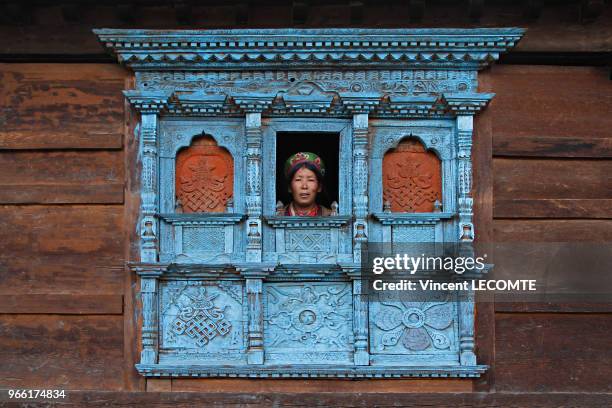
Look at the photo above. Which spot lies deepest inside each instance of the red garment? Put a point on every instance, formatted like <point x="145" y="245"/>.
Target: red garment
<point x="315" y="211"/>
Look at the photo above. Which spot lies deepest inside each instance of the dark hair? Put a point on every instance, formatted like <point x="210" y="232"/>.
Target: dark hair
<point x="310" y="167"/>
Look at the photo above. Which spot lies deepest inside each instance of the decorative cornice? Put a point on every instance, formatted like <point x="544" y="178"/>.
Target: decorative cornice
<point x="273" y="48"/>
<point x="467" y="104"/>
<point x="202" y="219"/>
<point x="310" y="222"/>
<point x="148" y="101"/>
<point x="411" y="218"/>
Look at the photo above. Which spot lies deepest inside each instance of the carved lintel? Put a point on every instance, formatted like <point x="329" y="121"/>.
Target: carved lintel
<point x="254" y="102"/>
<point x="201" y="103"/>
<point x="148" y="101"/>
<point x="360" y="102"/>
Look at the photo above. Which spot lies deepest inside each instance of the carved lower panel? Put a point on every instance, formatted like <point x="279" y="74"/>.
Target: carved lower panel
<point x="413" y="233"/>
<point x="202" y="321"/>
<point x="307" y="241"/>
<point x="199" y="239"/>
<point x="414" y="323"/>
<point x="308" y="323"/>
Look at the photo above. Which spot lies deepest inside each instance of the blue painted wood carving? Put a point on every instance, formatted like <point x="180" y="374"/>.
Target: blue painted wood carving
<point x="230" y="286"/>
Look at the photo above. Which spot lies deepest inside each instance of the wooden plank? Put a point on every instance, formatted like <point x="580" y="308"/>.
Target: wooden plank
<point x="552" y="230"/>
<point x="506" y="145"/>
<point x="549" y="307"/>
<point x="61" y="193"/>
<point x="382" y="400"/>
<point x="555" y="101"/>
<point x="300" y="386"/>
<point x="59" y="249"/>
<point x="61" y="304"/>
<point x="551" y="179"/>
<point x="61" y="105"/>
<point x="159" y="384"/>
<point x="33" y="139"/>
<point x="553" y="208"/>
<point x="61" y="352"/>
<point x="61" y="167"/>
<point x="559" y="29"/>
<point x="483" y="217"/>
<point x="553" y="353"/>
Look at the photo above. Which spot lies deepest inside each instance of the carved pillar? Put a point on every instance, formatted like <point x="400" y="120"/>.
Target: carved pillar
<point x="255" y="351"/>
<point x="148" y="293"/>
<point x="360" y="182"/>
<point x="360" y="323"/>
<point x="464" y="155"/>
<point x="467" y="357"/>
<point x="254" y="183"/>
<point x="149" y="104"/>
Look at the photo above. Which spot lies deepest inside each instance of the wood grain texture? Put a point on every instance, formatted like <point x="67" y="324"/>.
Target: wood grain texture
<point x="382" y="400"/>
<point x="61" y="193"/>
<point x="61" y="352"/>
<point x="553" y="208"/>
<point x="549" y="101"/>
<point x="61" y="105"/>
<point x="552" y="230"/>
<point x="553" y="352"/>
<point x="553" y="146"/>
<point x="300" y="386"/>
<point x="61" y="249"/>
<point x="551" y="179"/>
<point x="61" y="304"/>
<point x="550" y="307"/>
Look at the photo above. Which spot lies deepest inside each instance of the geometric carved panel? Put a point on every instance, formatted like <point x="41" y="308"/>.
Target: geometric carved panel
<point x="204" y="317"/>
<point x="413" y="233"/>
<point x="308" y="322"/>
<point x="412" y="179"/>
<point x="307" y="240"/>
<point x="420" y="322"/>
<point x="198" y="239"/>
<point x="204" y="177"/>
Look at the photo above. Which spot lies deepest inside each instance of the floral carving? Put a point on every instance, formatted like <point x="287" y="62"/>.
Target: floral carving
<point x="310" y="315"/>
<point x="204" y="177"/>
<point x="411" y="178"/>
<point x="417" y="326"/>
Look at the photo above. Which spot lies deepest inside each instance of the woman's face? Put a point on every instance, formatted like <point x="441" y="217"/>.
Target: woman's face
<point x="304" y="187"/>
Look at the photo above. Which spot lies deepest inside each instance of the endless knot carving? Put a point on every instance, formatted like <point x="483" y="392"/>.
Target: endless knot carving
<point x="411" y="178"/>
<point x="310" y="315"/>
<point x="201" y="320"/>
<point x="417" y="325"/>
<point x="204" y="177"/>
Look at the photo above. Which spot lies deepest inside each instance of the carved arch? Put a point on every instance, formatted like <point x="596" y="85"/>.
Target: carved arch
<point x="204" y="174"/>
<point x="412" y="177"/>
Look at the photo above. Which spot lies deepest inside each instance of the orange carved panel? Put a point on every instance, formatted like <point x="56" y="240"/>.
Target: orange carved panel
<point x="412" y="179"/>
<point x="204" y="177"/>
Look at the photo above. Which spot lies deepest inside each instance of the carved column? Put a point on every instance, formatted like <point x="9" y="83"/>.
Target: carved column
<point x="360" y="182"/>
<point x="360" y="323"/>
<point x="149" y="104"/>
<point x="255" y="351"/>
<point x="254" y="183"/>
<point x="464" y="155"/>
<point x="467" y="357"/>
<point x="253" y="105"/>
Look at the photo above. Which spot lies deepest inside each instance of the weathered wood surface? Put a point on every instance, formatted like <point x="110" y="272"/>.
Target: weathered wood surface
<point x="552" y="230"/>
<point x="552" y="307"/>
<point x="300" y="386"/>
<point x="553" y="352"/>
<point x="553" y="208"/>
<point x="61" y="177"/>
<point x="61" y="249"/>
<point x="61" y="105"/>
<point x="550" y="111"/>
<point x="61" y="352"/>
<point x="559" y="28"/>
<point x="61" y="304"/>
<point x="247" y="400"/>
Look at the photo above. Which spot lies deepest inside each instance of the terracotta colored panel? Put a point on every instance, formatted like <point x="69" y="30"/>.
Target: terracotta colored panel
<point x="204" y="177"/>
<point x="411" y="178"/>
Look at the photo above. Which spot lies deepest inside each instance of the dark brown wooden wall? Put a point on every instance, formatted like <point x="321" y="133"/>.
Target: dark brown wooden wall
<point x="68" y="204"/>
